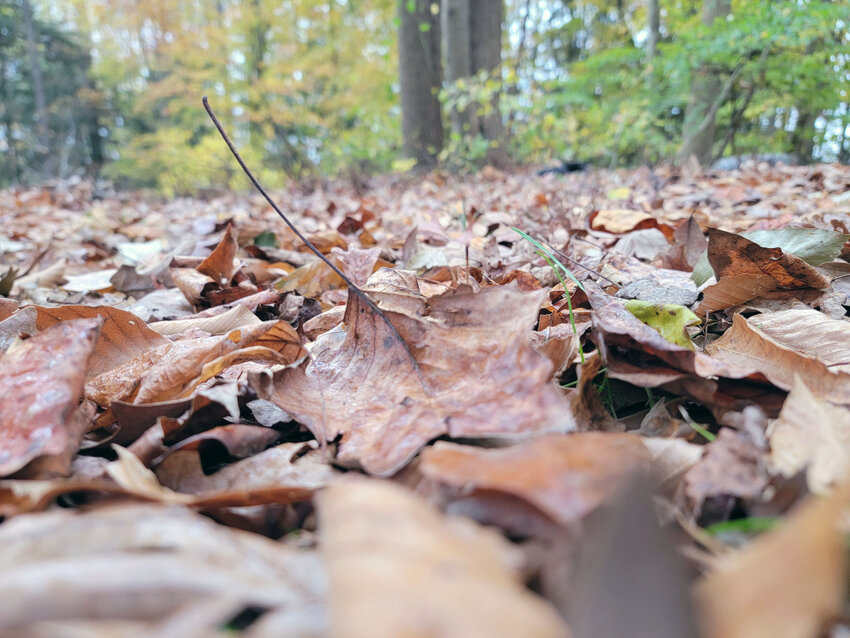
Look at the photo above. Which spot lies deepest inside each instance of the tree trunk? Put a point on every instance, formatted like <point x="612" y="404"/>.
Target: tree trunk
<point x="653" y="15"/>
<point x="419" y="66"/>
<point x="38" y="92"/>
<point x="456" y="31"/>
<point x="699" y="125"/>
<point x="486" y="55"/>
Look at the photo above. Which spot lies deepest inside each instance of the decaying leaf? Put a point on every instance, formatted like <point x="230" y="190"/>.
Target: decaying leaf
<point x="730" y="254"/>
<point x="40" y="390"/>
<point x="396" y="566"/>
<point x="174" y="369"/>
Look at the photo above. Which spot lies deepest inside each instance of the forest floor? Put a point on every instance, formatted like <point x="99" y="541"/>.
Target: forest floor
<point x="598" y="404"/>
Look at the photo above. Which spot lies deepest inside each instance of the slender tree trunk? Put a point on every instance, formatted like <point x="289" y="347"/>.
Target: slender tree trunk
<point x="9" y="122"/>
<point x="653" y="15"/>
<point x="486" y="55"/>
<point x="419" y="65"/>
<point x="455" y="25"/>
<point x="699" y="125"/>
<point x="41" y="122"/>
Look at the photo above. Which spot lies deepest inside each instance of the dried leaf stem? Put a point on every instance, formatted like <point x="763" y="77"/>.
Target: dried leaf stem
<point x="351" y="286"/>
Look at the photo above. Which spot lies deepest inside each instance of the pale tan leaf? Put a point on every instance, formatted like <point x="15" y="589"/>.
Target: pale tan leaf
<point x="811" y="332"/>
<point x="745" y="347"/>
<point x="237" y="317"/>
<point x="813" y="435"/>
<point x="395" y="563"/>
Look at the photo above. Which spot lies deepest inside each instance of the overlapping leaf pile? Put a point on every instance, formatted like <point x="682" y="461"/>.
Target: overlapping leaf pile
<point x="189" y="384"/>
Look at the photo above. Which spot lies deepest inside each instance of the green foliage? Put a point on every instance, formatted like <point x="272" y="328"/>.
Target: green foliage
<point x="311" y="87"/>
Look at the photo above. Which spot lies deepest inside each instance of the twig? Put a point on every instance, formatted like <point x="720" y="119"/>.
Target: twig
<point x="360" y="294"/>
<point x="576" y="263"/>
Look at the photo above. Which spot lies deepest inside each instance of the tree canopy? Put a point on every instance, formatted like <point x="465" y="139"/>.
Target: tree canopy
<point x="312" y="87"/>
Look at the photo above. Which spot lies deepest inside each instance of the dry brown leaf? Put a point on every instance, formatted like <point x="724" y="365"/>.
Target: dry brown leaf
<point x="311" y="280"/>
<point x="397" y="567"/>
<point x="174" y="369"/>
<point x="8" y="307"/>
<point x="192" y="284"/>
<point x="811" y="435"/>
<point x="234" y="489"/>
<point x="624" y="220"/>
<point x="283" y="466"/>
<point x="40" y="390"/>
<point x="730" y="254"/>
<point x="479" y="377"/>
<point x="734" y="290"/>
<point x="810" y="332"/>
<point x="221" y="265"/>
<point x="565" y="476"/>
<point x="745" y="347"/>
<point x="788" y="582"/>
<point x="357" y="263"/>
<point x="122" y="337"/>
<point x="64" y="565"/>
<point x="237" y="317"/>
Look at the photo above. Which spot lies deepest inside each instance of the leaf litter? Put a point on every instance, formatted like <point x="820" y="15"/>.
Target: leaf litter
<point x="433" y="433"/>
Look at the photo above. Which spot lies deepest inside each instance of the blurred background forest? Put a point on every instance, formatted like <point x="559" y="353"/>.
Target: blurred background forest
<point x="113" y="88"/>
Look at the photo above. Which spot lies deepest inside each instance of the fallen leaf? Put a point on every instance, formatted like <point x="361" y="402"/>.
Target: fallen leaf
<point x="730" y="254"/>
<point x="812" y="435"/>
<point x="669" y="320"/>
<point x="734" y="290"/>
<point x="289" y="465"/>
<point x="810" y="332"/>
<point x="746" y="347"/>
<point x="395" y="563"/>
<point x="175" y="369"/>
<point x="40" y="389"/>
<point x="221" y="265"/>
<point x="122" y="337"/>
<point x="364" y="386"/>
<point x="237" y="317"/>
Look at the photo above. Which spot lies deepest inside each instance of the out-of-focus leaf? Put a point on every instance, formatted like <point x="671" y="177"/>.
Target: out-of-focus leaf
<point x="266" y="238"/>
<point x="394" y="562"/>
<point x="812" y="435"/>
<point x="168" y="557"/>
<point x="734" y="290"/>
<point x="221" y="265"/>
<point x="788" y="582"/>
<point x="565" y="476"/>
<point x="669" y="319"/>
<point x="7" y="281"/>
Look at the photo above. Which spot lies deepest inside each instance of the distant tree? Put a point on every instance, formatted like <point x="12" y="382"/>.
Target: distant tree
<point x="473" y="38"/>
<point x="653" y="19"/>
<point x="699" y="125"/>
<point x="421" y="78"/>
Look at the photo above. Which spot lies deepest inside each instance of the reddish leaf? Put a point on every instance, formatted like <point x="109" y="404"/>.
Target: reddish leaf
<point x="40" y="389"/>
